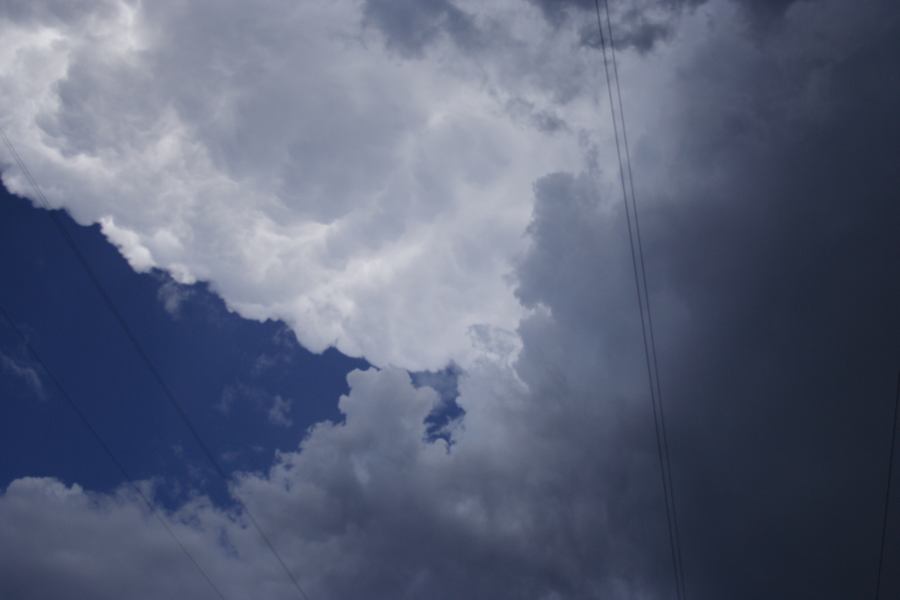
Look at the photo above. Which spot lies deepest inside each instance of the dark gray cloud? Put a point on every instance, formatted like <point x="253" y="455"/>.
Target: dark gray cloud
<point x="55" y="11"/>
<point x="775" y="263"/>
<point x="768" y="9"/>
<point x="793" y="271"/>
<point x="641" y="24"/>
<point x="638" y="24"/>
<point x="410" y="25"/>
<point x="559" y="10"/>
<point x="544" y="120"/>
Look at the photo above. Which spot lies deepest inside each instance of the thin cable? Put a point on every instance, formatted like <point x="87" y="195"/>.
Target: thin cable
<point x="155" y="373"/>
<point x="646" y="337"/>
<point x="106" y="448"/>
<point x="887" y="491"/>
<point x="650" y="328"/>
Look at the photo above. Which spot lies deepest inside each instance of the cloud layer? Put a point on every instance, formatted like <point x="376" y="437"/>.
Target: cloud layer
<point x="767" y="175"/>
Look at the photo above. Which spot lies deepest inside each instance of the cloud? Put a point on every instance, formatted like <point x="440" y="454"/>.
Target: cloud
<point x="284" y="346"/>
<point x="173" y="296"/>
<point x="277" y="409"/>
<point x="280" y="411"/>
<point x="766" y="180"/>
<point x="639" y="25"/>
<point x="24" y="372"/>
<point x="295" y="162"/>
<point x="642" y="25"/>
<point x="409" y="26"/>
<point x="80" y="548"/>
<point x="243" y="393"/>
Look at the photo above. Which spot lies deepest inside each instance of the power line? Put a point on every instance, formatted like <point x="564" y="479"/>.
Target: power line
<point x="887" y="491"/>
<point x="650" y="328"/>
<point x="106" y="448"/>
<point x="138" y="347"/>
<point x="640" y="279"/>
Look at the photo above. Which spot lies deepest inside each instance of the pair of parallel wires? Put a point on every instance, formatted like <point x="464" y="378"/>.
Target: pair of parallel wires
<point x="154" y="371"/>
<point x="626" y="177"/>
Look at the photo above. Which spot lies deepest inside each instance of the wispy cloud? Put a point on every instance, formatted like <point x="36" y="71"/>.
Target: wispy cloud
<point x="24" y="372"/>
<point x="173" y="295"/>
<point x="280" y="411"/>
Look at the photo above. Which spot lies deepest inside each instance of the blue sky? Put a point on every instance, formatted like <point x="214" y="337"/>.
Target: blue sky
<point x="227" y="371"/>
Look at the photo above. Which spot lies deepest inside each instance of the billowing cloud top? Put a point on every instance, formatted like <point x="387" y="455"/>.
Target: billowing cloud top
<point x="296" y="160"/>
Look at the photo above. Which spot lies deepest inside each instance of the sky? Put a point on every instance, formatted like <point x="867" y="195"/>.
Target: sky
<point x="249" y="384"/>
<point x="378" y="250"/>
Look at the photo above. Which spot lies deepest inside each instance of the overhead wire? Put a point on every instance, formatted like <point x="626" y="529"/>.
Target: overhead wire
<point x="145" y="357"/>
<point x="106" y="447"/>
<point x="640" y="279"/>
<point x="650" y="327"/>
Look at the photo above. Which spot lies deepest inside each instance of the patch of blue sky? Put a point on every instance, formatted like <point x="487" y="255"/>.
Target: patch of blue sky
<point x="248" y="387"/>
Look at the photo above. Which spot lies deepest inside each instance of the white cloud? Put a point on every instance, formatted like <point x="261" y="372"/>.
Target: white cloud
<point x="285" y="155"/>
<point x="58" y="539"/>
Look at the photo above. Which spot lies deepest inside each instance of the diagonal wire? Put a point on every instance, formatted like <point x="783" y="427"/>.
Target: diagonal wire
<point x="640" y="280"/>
<point x="650" y="328"/>
<point x="887" y="491"/>
<point x="139" y="348"/>
<point x="106" y="448"/>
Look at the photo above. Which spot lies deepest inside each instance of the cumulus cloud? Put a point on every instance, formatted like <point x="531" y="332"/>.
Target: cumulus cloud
<point x="291" y="159"/>
<point x="767" y="185"/>
<point x="365" y="507"/>
<point x="61" y="541"/>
